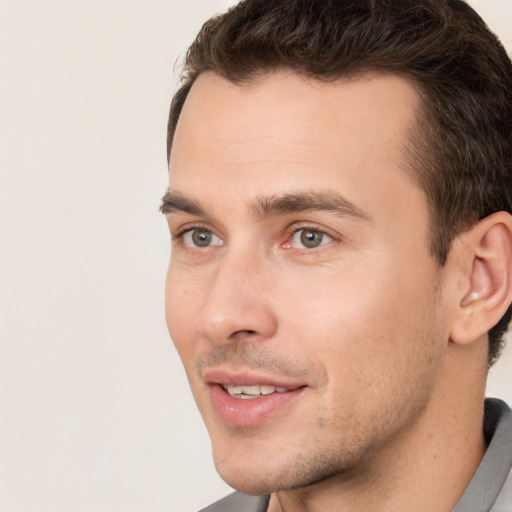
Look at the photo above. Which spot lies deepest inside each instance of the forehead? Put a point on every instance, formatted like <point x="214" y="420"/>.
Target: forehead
<point x="284" y="132"/>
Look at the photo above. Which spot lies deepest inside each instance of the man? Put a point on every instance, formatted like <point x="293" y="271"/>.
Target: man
<point x="340" y="279"/>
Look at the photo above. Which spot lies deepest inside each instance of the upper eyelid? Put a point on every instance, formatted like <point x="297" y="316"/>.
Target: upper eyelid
<point x="314" y="230"/>
<point x="299" y="226"/>
<point x="323" y="232"/>
<point x="288" y="232"/>
<point x="190" y="227"/>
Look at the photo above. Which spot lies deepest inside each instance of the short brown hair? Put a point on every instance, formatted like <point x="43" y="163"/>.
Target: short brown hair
<point x="461" y="149"/>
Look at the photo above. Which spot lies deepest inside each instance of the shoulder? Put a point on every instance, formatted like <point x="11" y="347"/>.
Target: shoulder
<point x="238" y="502"/>
<point x="491" y="482"/>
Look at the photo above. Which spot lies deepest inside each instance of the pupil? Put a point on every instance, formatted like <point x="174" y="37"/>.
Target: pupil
<point x="201" y="238"/>
<point x="311" y="239"/>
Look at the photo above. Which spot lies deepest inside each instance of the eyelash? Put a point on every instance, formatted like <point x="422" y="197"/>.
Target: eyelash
<point x="296" y="228"/>
<point x="290" y="232"/>
<point x="188" y="227"/>
<point x="183" y="230"/>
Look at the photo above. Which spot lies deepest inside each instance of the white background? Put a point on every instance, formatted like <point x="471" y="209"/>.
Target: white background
<point x="95" y="411"/>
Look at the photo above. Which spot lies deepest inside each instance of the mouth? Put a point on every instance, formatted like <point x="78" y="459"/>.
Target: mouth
<point x="249" y="401"/>
<point x="253" y="391"/>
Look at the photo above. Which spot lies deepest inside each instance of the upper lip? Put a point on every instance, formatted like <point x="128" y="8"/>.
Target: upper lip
<point x="247" y="378"/>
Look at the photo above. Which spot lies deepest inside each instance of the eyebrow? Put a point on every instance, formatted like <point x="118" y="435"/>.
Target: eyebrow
<point x="296" y="202"/>
<point x="173" y="202"/>
<point x="282" y="204"/>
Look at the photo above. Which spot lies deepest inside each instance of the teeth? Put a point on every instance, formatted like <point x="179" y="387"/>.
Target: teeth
<point x="248" y="392"/>
<point x="266" y="390"/>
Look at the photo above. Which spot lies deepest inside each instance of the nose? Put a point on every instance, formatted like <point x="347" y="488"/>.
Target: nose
<point x="237" y="303"/>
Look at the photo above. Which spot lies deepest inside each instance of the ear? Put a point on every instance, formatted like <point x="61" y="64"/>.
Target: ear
<point x="485" y="261"/>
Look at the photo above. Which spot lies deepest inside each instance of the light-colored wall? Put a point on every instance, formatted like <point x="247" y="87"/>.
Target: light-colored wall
<point x="95" y="411"/>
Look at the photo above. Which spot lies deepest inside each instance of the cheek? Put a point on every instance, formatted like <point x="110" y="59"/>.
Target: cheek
<point x="366" y="318"/>
<point x="180" y="302"/>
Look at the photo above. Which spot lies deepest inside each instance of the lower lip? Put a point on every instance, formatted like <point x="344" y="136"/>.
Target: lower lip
<point x="239" y="412"/>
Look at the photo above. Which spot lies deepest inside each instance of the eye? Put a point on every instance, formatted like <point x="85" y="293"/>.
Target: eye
<point x="200" y="238"/>
<point x="309" y="239"/>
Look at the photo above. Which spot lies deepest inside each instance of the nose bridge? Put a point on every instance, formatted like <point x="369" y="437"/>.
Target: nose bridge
<point x="236" y="303"/>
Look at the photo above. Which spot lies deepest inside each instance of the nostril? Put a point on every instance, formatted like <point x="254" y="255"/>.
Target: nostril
<point x="223" y="318"/>
<point x="244" y="332"/>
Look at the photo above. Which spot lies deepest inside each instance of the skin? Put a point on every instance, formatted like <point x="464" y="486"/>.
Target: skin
<point x="362" y="321"/>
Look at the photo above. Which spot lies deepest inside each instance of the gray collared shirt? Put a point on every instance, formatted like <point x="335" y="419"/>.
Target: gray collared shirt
<point x="490" y="489"/>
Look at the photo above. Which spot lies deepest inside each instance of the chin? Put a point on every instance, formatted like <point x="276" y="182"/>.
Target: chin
<point x="258" y="476"/>
<point x="246" y="475"/>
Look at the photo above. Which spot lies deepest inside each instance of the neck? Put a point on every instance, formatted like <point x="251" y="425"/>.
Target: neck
<point x="425" y="468"/>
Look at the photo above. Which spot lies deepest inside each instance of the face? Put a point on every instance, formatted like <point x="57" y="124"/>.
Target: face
<point x="301" y="294"/>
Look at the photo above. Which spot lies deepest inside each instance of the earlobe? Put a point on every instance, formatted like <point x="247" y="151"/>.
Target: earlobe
<point x="487" y="252"/>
